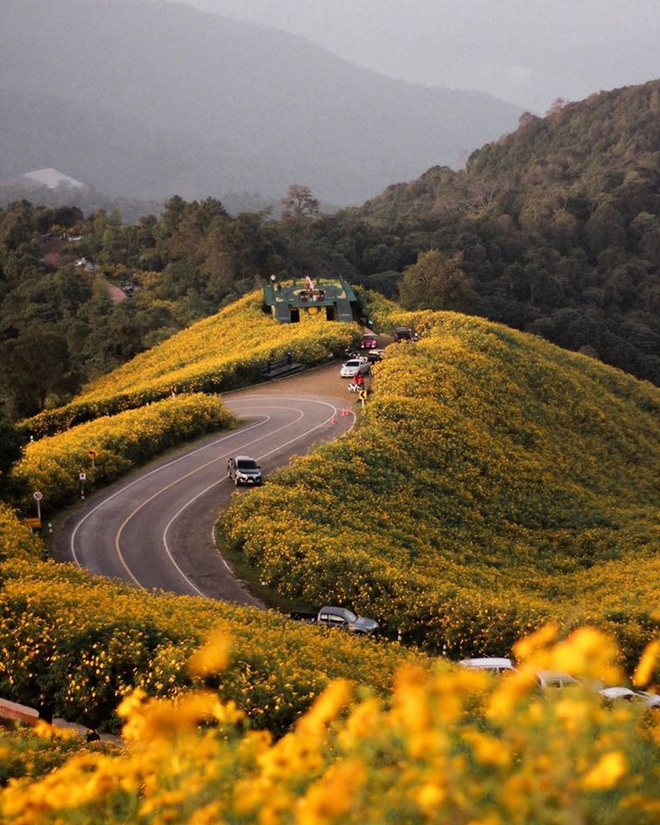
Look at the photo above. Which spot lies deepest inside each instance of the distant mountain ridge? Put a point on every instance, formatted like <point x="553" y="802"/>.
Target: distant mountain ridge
<point x="151" y="99"/>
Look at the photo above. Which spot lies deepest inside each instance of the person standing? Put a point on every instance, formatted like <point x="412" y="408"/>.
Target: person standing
<point x="45" y="708"/>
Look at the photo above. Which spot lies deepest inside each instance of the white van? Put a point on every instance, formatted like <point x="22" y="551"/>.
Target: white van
<point x="493" y="664"/>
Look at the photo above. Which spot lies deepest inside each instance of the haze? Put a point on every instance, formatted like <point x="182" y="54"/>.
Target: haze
<point x="528" y="52"/>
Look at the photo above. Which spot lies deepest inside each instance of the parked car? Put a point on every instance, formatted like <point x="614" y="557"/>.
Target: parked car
<point x="369" y="341"/>
<point x="652" y="699"/>
<point x="333" y="616"/>
<point x="345" y="618"/>
<point x="618" y="694"/>
<point x="375" y="355"/>
<point x="555" y="679"/>
<point x="354" y="366"/>
<point x="493" y="664"/>
<point x="242" y="469"/>
<point x="405" y="334"/>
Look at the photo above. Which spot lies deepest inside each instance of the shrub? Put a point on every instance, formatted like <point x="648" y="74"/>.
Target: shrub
<point x="52" y="465"/>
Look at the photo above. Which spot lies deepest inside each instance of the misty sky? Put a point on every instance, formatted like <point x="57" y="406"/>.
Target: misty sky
<point x="528" y="52"/>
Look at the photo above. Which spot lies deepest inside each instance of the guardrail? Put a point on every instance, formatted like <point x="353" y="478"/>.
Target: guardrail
<point x="277" y="367"/>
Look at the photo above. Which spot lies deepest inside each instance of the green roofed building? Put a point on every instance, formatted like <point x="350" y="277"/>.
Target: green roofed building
<point x="288" y="298"/>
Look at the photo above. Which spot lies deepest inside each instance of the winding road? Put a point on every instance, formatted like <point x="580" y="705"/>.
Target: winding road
<point x="154" y="528"/>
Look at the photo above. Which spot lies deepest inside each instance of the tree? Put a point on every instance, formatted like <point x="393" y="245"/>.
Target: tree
<point x="11" y="444"/>
<point x="557" y="105"/>
<point x="35" y="365"/>
<point x="436" y="282"/>
<point x="299" y="202"/>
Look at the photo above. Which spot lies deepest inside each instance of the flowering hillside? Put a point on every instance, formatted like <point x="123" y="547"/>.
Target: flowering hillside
<point x="89" y="641"/>
<point x="495" y="481"/>
<point x="220" y="353"/>
<point x="117" y="444"/>
<point x="448" y="745"/>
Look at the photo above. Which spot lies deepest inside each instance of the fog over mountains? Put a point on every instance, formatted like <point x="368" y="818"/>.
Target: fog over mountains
<point x="152" y="99"/>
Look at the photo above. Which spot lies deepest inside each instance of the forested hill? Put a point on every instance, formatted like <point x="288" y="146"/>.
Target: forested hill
<point x="554" y="230"/>
<point x="557" y="224"/>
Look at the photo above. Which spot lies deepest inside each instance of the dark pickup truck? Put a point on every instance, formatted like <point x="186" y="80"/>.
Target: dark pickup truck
<point x="332" y="616"/>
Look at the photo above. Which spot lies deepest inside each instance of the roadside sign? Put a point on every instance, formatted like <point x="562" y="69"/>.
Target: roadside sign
<point x="82" y="476"/>
<point x="37" y="496"/>
<point x="92" y="453"/>
<point x="32" y="522"/>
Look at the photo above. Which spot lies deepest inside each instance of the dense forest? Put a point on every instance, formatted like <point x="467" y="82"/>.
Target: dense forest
<point x="557" y="226"/>
<point x="554" y="229"/>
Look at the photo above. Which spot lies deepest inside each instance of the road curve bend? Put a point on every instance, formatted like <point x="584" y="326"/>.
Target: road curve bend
<point x="154" y="528"/>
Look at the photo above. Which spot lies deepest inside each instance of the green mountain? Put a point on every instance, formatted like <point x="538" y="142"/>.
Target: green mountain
<point x="554" y="230"/>
<point x="557" y="225"/>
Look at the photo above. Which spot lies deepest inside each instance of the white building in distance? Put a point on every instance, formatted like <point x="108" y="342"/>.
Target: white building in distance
<point x="53" y="179"/>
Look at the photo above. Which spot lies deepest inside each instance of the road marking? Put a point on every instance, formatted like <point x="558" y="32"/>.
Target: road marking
<point x="263" y="400"/>
<point x="137" y="481"/>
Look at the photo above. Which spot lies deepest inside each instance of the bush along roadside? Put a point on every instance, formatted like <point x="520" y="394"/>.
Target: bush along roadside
<point x="107" y="448"/>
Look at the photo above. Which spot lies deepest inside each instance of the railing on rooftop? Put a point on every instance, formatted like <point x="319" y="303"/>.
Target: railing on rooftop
<point x="287" y="297"/>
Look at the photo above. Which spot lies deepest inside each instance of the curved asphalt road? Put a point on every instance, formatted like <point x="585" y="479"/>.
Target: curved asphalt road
<point x="154" y="529"/>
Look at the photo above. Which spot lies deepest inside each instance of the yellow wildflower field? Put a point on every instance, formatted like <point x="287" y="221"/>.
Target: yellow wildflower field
<point x="495" y="481"/>
<point x="445" y="745"/>
<point x="220" y="353"/>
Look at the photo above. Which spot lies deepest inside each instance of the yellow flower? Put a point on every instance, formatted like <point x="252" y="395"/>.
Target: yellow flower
<point x="588" y="652"/>
<point x="487" y="749"/>
<point x="362" y="723"/>
<point x="647" y="664"/>
<point x="212" y="657"/>
<point x="335" y="697"/>
<point x="430" y="797"/>
<point x="573" y="713"/>
<point x="332" y="796"/>
<point x="606" y="773"/>
<point x="531" y="644"/>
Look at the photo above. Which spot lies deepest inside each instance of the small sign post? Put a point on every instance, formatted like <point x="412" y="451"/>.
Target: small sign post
<point x="82" y="477"/>
<point x="37" y="496"/>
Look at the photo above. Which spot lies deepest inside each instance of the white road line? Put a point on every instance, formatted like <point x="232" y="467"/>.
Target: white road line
<point x="263" y="401"/>
<point x="141" y="478"/>
<point x="176" y="481"/>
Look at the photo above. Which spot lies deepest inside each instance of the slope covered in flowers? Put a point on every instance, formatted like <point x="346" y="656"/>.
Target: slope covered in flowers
<point x="220" y="353"/>
<point x="118" y="443"/>
<point x="88" y="641"/>
<point x="447" y="745"/>
<point x="495" y="481"/>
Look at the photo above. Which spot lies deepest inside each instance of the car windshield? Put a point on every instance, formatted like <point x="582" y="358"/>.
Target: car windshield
<point x="352" y="364"/>
<point x="246" y="464"/>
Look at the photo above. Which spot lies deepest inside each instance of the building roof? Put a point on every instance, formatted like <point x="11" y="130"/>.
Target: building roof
<point x="52" y="179"/>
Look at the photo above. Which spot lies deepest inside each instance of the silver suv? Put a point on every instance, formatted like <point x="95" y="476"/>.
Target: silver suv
<point x="242" y="469"/>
